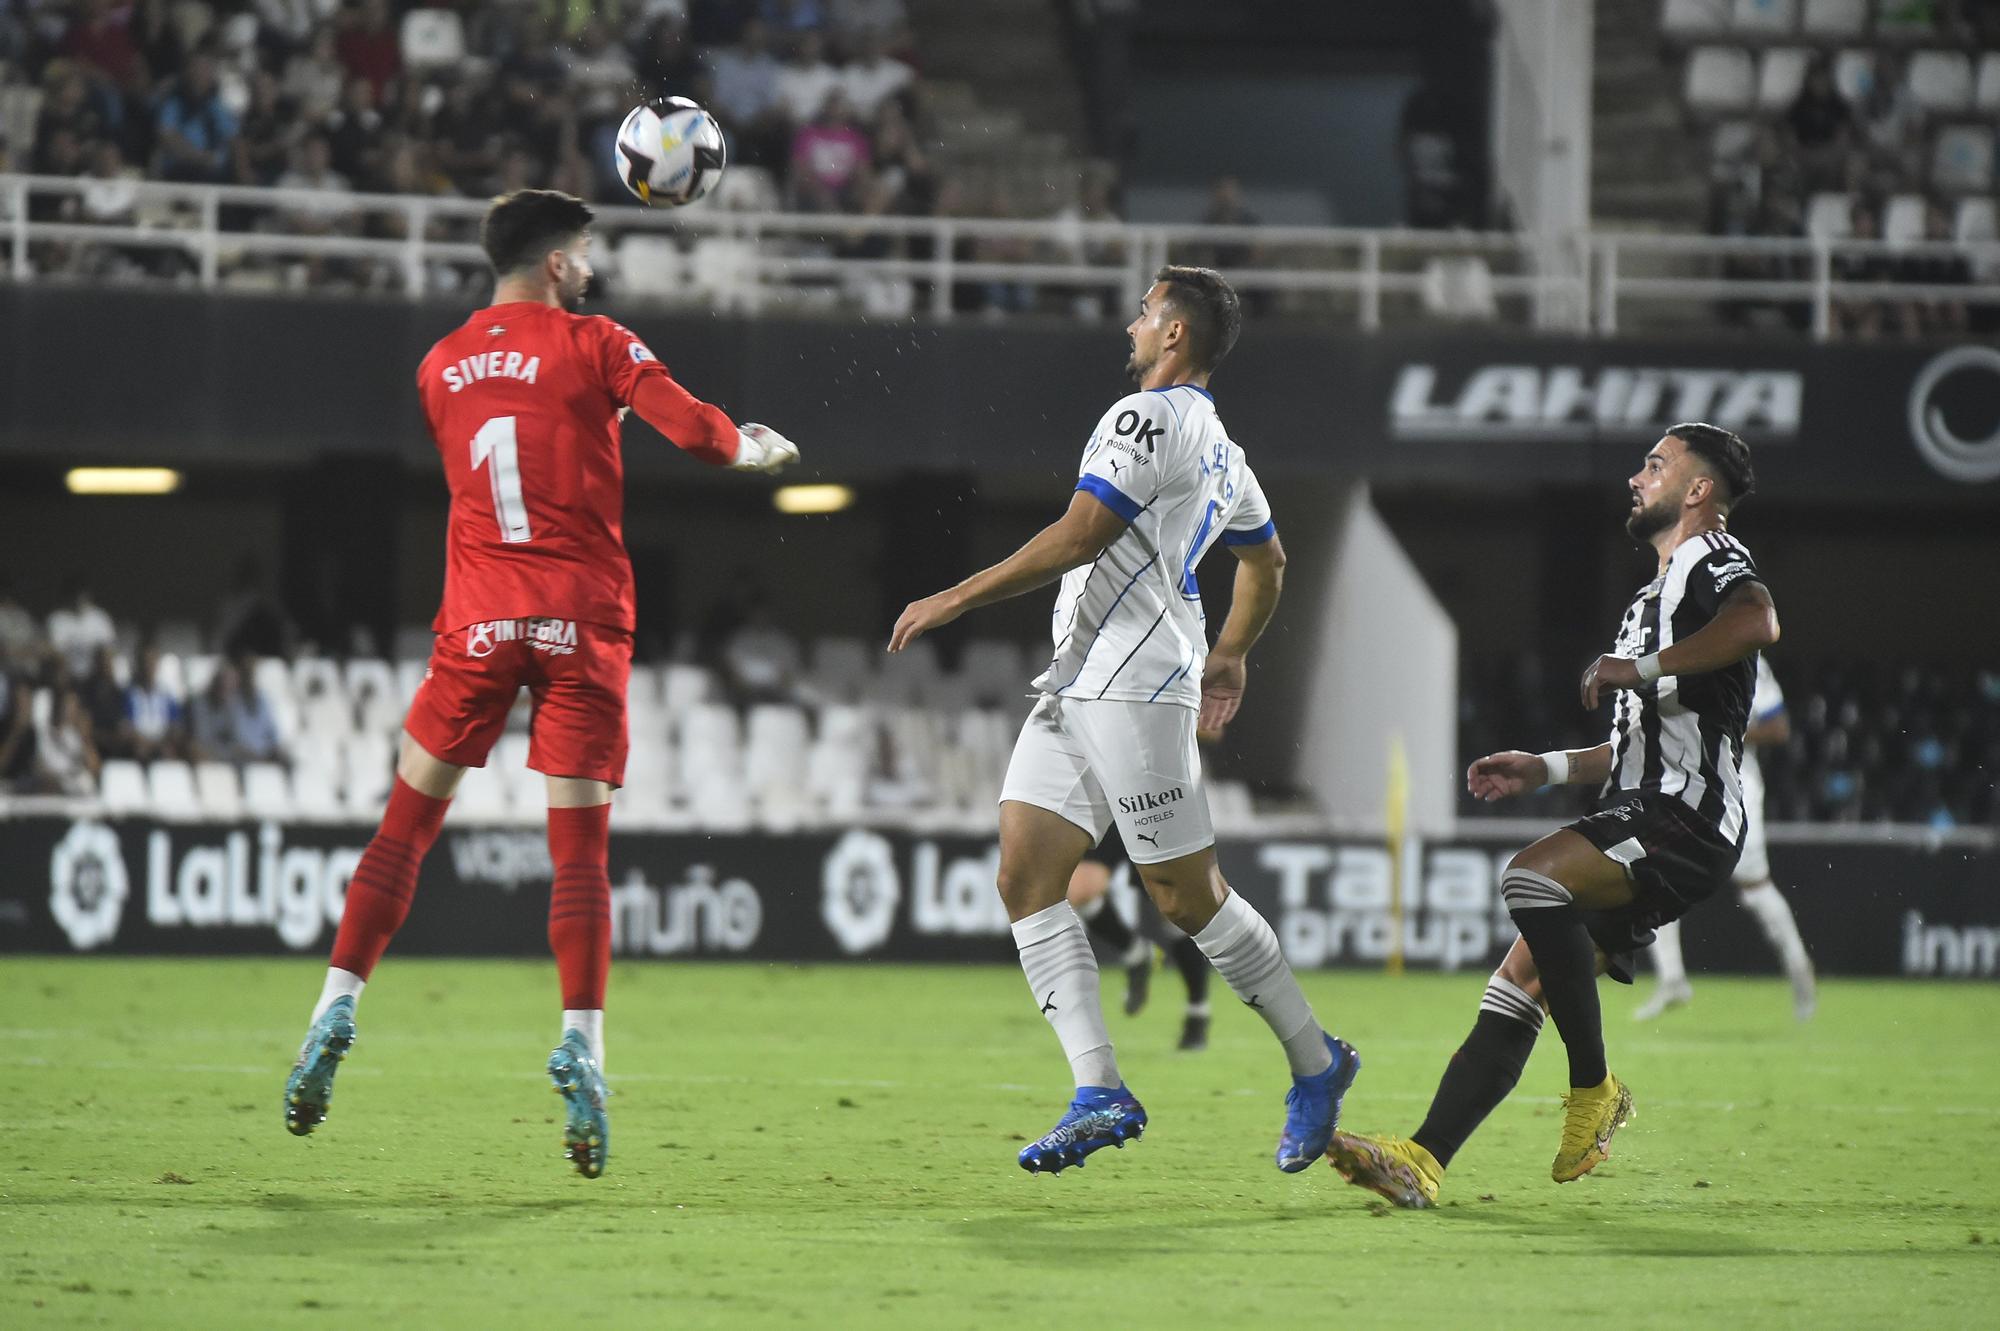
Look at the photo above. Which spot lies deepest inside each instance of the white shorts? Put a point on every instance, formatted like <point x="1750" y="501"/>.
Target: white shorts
<point x="1099" y="762"/>
<point x="1753" y="866"/>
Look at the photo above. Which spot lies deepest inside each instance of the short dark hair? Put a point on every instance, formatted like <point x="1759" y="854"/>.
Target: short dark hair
<point x="1208" y="303"/>
<point x="1725" y="455"/>
<point x="523" y="226"/>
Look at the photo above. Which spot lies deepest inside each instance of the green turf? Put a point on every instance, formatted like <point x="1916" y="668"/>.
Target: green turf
<point x="835" y="1147"/>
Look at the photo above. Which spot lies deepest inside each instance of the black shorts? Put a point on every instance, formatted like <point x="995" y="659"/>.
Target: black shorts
<point x="1674" y="858"/>
<point x="1109" y="852"/>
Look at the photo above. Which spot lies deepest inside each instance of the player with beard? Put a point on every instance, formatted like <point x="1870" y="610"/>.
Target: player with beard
<point x="1131" y="681"/>
<point x="525" y="402"/>
<point x="1586" y="897"/>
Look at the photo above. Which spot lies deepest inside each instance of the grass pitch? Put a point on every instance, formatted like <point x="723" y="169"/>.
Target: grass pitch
<point x="835" y="1146"/>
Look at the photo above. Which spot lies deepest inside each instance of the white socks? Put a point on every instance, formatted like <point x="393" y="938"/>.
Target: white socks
<point x="1062" y="977"/>
<point x="589" y="1022"/>
<point x="339" y="984"/>
<point x="1774" y="913"/>
<point x="1240" y="945"/>
<point x="1667" y="956"/>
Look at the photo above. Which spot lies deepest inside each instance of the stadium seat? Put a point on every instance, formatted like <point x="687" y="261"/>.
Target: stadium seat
<point x="1941" y="81"/>
<point x="1903" y="219"/>
<point x="432" y="39"/>
<point x="744" y="189"/>
<point x="1683" y="20"/>
<point x="368" y="767"/>
<point x="651" y="265"/>
<point x="1975" y="223"/>
<point x="1854" y="75"/>
<point x="776" y="738"/>
<point x="723" y="271"/>
<point x="413" y="642"/>
<point x="122" y="786"/>
<point x="685" y="687"/>
<point x="314" y="795"/>
<point x="1986" y="87"/>
<point x="527" y="790"/>
<point x="371" y="687"/>
<point x="993" y="668"/>
<point x="172" y="677"/>
<point x="20" y="112"/>
<point x="409" y="677"/>
<point x="1830" y="216"/>
<point x="905" y="677"/>
<point x="1833" y="18"/>
<point x="171" y="789"/>
<point x="711" y="749"/>
<point x="1763" y="18"/>
<point x="841" y="669"/>
<point x="178" y="637"/>
<point x="200" y="670"/>
<point x="481" y="798"/>
<point x="1720" y="79"/>
<point x="1780" y="76"/>
<point x="1962" y="160"/>
<point x="220" y="791"/>
<point x="1902" y="20"/>
<point x="267" y="792"/>
<point x="837" y="769"/>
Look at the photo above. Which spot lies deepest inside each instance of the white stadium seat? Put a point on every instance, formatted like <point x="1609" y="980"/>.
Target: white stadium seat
<point x="220" y="791"/>
<point x="1903" y="219"/>
<point x="1962" y="161"/>
<point x="315" y="796"/>
<point x="744" y="189"/>
<point x="652" y="266"/>
<point x="1903" y="21"/>
<point x="1976" y="223"/>
<point x="409" y="675"/>
<point x="1833" y="18"/>
<point x="1763" y="18"/>
<point x="413" y="642"/>
<point x="1780" y="76"/>
<point x="122" y="787"/>
<point x="1986" y="88"/>
<point x="481" y="798"/>
<point x="904" y="677"/>
<point x="172" y="677"/>
<point x="200" y="670"/>
<point x="994" y="668"/>
<point x="432" y="38"/>
<point x="368" y="768"/>
<point x="837" y="770"/>
<point x="1941" y="81"/>
<point x="171" y="788"/>
<point x="371" y="686"/>
<point x="1830" y="216"/>
<point x="267" y="791"/>
<point x="777" y="738"/>
<point x="841" y="669"/>
<point x="1854" y="75"/>
<point x="1720" y="79"/>
<point x="1683" y="19"/>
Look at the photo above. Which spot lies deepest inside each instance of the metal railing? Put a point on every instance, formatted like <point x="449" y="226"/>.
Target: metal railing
<point x="226" y="237"/>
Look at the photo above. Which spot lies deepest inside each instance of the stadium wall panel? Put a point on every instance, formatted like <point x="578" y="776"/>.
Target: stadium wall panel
<point x="139" y="887"/>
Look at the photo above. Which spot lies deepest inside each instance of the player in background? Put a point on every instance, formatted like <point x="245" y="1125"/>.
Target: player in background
<point x="1587" y="896"/>
<point x="1112" y="738"/>
<point x="1090" y="895"/>
<point x="1769" y="725"/>
<point x="525" y="402"/>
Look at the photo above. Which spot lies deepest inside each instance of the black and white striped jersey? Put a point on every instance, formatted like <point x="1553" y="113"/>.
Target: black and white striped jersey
<point x="1683" y="735"/>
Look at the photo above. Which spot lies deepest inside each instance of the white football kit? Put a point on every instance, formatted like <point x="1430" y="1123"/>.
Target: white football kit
<point x="1112" y="736"/>
<point x="1766" y="701"/>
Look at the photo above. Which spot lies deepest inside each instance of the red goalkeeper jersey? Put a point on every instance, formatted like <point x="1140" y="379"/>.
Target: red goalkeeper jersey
<point x="524" y="402"/>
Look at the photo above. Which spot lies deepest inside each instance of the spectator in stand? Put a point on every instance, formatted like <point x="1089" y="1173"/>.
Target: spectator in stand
<point x="21" y="644"/>
<point x="101" y="37"/>
<point x="354" y="132"/>
<point x="312" y="169"/>
<point x="154" y="723"/>
<point x="196" y="132"/>
<point x="826" y="155"/>
<point x="17" y="730"/>
<point x="1935" y="317"/>
<point x="1822" y="125"/>
<point x="806" y="79"/>
<point x="1860" y="318"/>
<point x="67" y="107"/>
<point x="786" y="16"/>
<point x="232" y="721"/>
<point x="760" y="660"/>
<point x="670" y="65"/>
<point x="315" y="78"/>
<point x="251" y="620"/>
<point x="881" y="17"/>
<point x="464" y="138"/>
<point x="66" y="758"/>
<point x="290" y="24"/>
<point x="1888" y="115"/>
<point x="744" y="85"/>
<point x="104" y="702"/>
<point x="78" y="629"/>
<point x="370" y="46"/>
<point x="1093" y="203"/>
<point x="901" y="162"/>
<point x="721" y="22"/>
<point x="1227" y="208"/>
<point x="873" y="76"/>
<point x="599" y="73"/>
<point x="264" y="144"/>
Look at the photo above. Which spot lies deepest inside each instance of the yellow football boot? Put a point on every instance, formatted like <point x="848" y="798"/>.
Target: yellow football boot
<point x="1590" y="1117"/>
<point x="1393" y="1167"/>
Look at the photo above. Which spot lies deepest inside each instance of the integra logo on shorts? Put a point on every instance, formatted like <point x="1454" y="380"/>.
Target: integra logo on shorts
<point x="1147" y="801"/>
<point x="557" y="637"/>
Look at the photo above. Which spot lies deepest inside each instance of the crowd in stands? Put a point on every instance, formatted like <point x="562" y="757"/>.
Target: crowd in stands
<point x="1867" y="744"/>
<point x="1844" y="120"/>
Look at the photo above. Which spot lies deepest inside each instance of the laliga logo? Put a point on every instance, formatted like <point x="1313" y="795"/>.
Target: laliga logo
<point x="87" y="885"/>
<point x="859" y="889"/>
<point x="1973" y="461"/>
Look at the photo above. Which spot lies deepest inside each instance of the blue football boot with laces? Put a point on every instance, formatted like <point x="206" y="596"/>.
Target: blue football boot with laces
<point x="1098" y="1117"/>
<point x="309" y="1090"/>
<point x="1312" y="1108"/>
<point x="586" y="1130"/>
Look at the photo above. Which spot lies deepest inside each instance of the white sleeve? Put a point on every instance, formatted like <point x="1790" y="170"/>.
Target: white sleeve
<point x="1768" y="700"/>
<point x="1250" y="520"/>
<point x="1125" y="452"/>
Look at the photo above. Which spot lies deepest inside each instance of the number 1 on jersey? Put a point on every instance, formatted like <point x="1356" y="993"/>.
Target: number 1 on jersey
<point x="496" y="443"/>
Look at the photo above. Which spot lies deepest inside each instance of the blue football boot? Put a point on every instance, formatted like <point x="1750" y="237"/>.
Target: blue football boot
<point x="1312" y="1108"/>
<point x="586" y="1131"/>
<point x="1099" y="1116"/>
<point x="309" y="1090"/>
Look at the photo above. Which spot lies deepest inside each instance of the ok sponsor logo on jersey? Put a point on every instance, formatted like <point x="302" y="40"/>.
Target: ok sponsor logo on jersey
<point x="557" y="637"/>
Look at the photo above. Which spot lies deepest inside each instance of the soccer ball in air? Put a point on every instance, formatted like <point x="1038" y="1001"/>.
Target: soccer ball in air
<point x="670" y="152"/>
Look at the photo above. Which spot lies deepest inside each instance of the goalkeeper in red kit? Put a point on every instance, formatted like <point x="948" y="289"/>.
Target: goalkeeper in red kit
<point x="525" y="402"/>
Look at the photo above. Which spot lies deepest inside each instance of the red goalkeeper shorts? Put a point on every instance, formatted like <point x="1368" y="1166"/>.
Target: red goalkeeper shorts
<point x="575" y="674"/>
